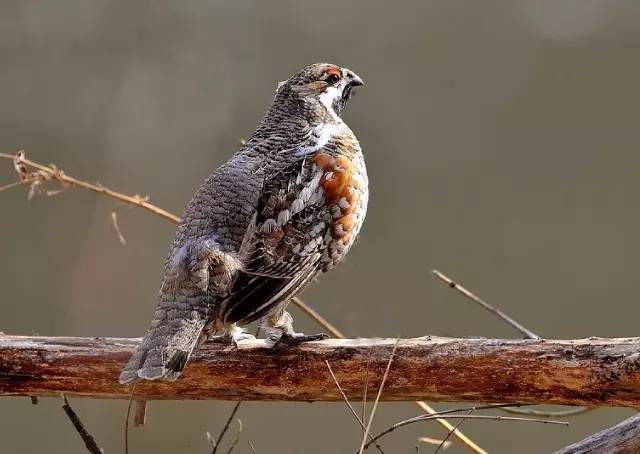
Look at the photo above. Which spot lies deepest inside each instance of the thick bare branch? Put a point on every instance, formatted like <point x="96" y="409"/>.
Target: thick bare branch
<point x="590" y="372"/>
<point x="623" y="438"/>
<point x="51" y="172"/>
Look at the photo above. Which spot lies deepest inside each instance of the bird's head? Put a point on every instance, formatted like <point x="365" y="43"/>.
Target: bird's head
<point x="322" y="85"/>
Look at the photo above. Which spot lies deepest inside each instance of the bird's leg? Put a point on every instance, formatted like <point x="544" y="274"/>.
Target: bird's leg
<point x="279" y="329"/>
<point x="232" y="334"/>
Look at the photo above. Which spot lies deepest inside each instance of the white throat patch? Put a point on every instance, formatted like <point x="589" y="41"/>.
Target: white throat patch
<point x="327" y="98"/>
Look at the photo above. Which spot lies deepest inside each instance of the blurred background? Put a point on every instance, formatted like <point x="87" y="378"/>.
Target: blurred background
<point x="502" y="145"/>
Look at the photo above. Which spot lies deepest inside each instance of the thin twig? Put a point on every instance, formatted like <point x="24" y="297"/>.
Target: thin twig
<point x="233" y="411"/>
<point x="547" y="414"/>
<point x="116" y="227"/>
<point x="319" y="319"/>
<point x="522" y="329"/>
<point x="375" y="404"/>
<point x="450" y="432"/>
<point x="57" y="174"/>
<point x="438" y="414"/>
<point x="461" y="437"/>
<point x="13" y="185"/>
<point x="226" y="427"/>
<point x="88" y="439"/>
<point x="498" y="313"/>
<point x="353" y="412"/>
<point x="449" y="414"/>
<point x="366" y="390"/>
<point x="237" y="439"/>
<point x="464" y="440"/>
<point x="126" y="420"/>
<point x="435" y="441"/>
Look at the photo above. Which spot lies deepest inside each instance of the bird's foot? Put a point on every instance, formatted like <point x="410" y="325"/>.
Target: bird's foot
<point x="291" y="339"/>
<point x="232" y="337"/>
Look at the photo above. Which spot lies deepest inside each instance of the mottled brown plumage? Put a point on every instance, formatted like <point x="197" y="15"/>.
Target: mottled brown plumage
<point x="287" y="206"/>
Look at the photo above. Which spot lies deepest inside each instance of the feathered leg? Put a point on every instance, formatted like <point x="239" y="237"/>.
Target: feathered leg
<point x="232" y="335"/>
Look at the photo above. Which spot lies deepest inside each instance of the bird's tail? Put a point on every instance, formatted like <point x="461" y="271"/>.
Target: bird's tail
<point x="167" y="346"/>
<point x="183" y="311"/>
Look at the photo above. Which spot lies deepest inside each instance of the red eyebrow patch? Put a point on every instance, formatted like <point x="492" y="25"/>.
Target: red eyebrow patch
<point x="331" y="70"/>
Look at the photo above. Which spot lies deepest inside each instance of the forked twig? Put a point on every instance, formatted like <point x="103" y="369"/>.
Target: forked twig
<point x="54" y="173"/>
<point x="237" y="439"/>
<point x="353" y="412"/>
<point x="450" y="414"/>
<point x="444" y="441"/>
<point x="232" y="414"/>
<point x="321" y="321"/>
<point x="226" y="427"/>
<point x="375" y="404"/>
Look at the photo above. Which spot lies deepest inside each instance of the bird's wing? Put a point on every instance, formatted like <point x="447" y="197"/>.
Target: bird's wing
<point x="285" y="242"/>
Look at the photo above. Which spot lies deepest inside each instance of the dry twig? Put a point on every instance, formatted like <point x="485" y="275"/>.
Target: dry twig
<point x="237" y="439"/>
<point x="88" y="439"/>
<point x="126" y="419"/>
<point x="527" y="333"/>
<point x="51" y="172"/>
<point x="451" y="414"/>
<point x="353" y="412"/>
<point x="116" y="227"/>
<point x="435" y="441"/>
<point x="375" y="404"/>
<point x="226" y="427"/>
<point x="364" y="394"/>
<point x="444" y="441"/>
<point x="498" y="313"/>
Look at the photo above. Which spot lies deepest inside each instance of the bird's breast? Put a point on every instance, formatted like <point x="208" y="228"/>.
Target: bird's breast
<point x="345" y="185"/>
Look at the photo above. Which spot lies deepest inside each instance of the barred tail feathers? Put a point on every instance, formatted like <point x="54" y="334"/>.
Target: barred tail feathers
<point x="166" y="347"/>
<point x="184" y="309"/>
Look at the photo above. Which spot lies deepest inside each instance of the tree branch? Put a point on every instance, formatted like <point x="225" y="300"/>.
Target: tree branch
<point x="39" y="172"/>
<point x="590" y="372"/>
<point x="51" y="172"/>
<point x="623" y="438"/>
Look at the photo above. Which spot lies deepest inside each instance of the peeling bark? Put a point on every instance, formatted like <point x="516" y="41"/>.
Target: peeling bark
<point x="586" y="372"/>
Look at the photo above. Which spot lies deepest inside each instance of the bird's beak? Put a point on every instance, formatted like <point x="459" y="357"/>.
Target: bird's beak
<point x="353" y="79"/>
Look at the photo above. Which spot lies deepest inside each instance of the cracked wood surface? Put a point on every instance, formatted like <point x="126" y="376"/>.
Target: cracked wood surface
<point x="587" y="372"/>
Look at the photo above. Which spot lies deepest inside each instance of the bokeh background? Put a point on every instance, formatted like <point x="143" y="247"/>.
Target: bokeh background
<point x="502" y="144"/>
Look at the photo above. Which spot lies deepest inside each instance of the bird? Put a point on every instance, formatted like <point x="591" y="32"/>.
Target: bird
<point x="285" y="208"/>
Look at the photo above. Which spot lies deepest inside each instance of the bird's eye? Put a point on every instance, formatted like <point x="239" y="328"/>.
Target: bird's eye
<point x="333" y="78"/>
